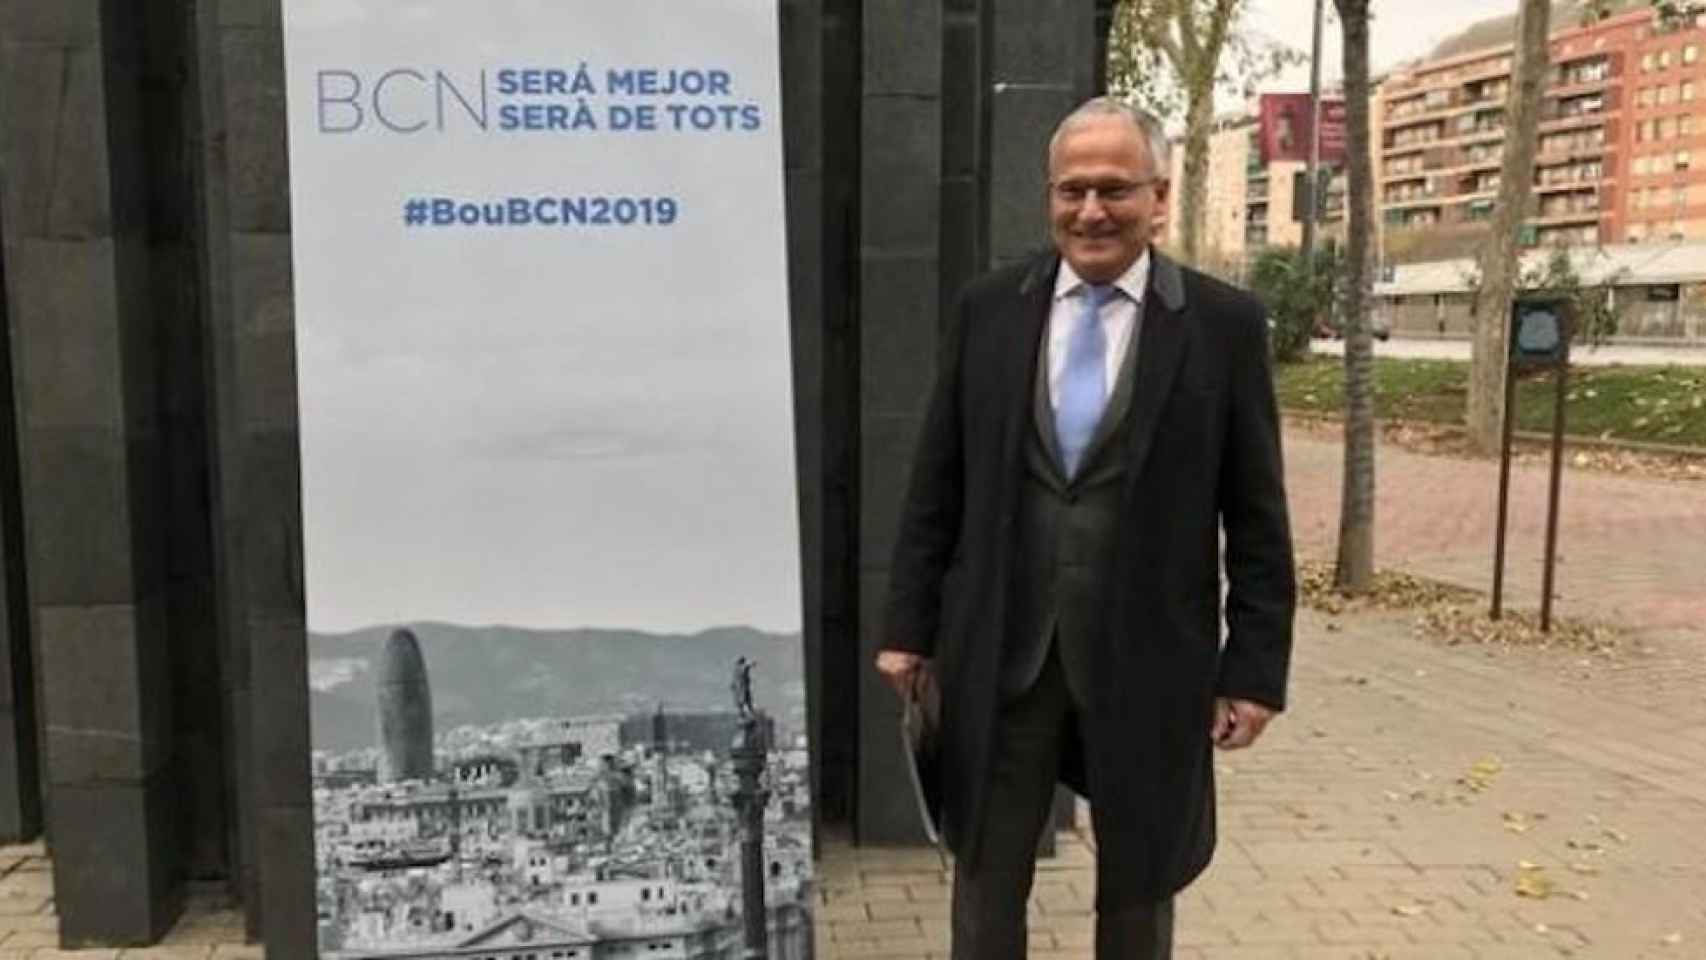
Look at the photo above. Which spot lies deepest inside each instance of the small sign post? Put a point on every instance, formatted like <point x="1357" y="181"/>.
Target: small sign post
<point x="1540" y="334"/>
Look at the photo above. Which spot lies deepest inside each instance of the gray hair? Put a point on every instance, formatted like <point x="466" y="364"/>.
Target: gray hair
<point x="1097" y="108"/>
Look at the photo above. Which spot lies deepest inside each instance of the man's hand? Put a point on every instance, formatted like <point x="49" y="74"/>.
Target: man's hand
<point x="1237" y="723"/>
<point x="900" y="669"/>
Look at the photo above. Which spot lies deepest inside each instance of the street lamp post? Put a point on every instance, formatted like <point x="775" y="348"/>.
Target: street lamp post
<point x="1311" y="184"/>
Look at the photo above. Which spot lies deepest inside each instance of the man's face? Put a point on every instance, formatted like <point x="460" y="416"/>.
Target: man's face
<point x="1104" y="193"/>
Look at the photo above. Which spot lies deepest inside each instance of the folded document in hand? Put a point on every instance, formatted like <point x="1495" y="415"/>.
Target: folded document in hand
<point x="920" y="736"/>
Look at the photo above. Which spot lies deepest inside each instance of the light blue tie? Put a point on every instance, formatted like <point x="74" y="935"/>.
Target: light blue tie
<point x="1083" y="388"/>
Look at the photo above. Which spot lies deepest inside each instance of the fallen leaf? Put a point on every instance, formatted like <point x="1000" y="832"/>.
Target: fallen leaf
<point x="1407" y="910"/>
<point x="1530" y="883"/>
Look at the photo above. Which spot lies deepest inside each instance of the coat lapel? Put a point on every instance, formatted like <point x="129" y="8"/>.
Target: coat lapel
<point x="1161" y="347"/>
<point x="1042" y="409"/>
<point x="1030" y="314"/>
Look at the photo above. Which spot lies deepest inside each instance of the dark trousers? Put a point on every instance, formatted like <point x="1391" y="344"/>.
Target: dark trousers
<point x="990" y="895"/>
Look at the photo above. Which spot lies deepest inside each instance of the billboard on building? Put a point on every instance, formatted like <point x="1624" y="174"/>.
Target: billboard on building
<point x="548" y="483"/>
<point x="1283" y="121"/>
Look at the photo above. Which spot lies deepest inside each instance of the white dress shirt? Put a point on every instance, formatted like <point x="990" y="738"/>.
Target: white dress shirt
<point x="1118" y="316"/>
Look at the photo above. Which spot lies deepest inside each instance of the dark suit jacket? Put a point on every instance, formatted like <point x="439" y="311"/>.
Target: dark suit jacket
<point x="1204" y="452"/>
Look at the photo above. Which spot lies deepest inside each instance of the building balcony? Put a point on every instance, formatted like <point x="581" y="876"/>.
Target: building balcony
<point x="1398" y="150"/>
<point x="1555" y="91"/>
<point x="1567" y="186"/>
<point x="1412" y="203"/>
<point x="1467" y="196"/>
<point x="1420" y="173"/>
<point x="1564" y="217"/>
<point x="1573" y="121"/>
<point x="1446" y="112"/>
<point x="1584" y="152"/>
<point x="1452" y="78"/>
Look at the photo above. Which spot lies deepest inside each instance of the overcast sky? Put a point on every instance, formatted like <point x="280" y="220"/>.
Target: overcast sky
<point x="1401" y="30"/>
<point x="538" y="426"/>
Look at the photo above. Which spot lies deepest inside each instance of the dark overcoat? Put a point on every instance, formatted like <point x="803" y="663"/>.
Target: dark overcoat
<point x="1204" y="454"/>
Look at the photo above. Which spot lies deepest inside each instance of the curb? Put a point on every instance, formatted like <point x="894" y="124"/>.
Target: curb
<point x="1529" y="436"/>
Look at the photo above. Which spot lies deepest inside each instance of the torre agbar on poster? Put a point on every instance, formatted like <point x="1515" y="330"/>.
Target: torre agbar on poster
<point x="558" y="702"/>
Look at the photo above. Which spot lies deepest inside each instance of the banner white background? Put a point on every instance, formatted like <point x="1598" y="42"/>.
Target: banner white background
<point x="539" y="425"/>
<point x="548" y="474"/>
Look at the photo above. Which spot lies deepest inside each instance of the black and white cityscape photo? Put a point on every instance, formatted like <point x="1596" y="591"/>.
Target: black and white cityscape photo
<point x="560" y="795"/>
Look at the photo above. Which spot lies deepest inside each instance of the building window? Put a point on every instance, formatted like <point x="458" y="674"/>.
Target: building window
<point x="1685" y="125"/>
<point x="1664" y="129"/>
<point x="1643" y="130"/>
<point x="1647" y="60"/>
<point x="1664" y="59"/>
<point x="1691" y="53"/>
<point x="1664" y="95"/>
<point x="1683" y="159"/>
<point x="1685" y="93"/>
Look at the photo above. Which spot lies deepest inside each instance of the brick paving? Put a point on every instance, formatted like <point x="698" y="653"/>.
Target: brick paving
<point x="1630" y="548"/>
<point x="1392" y="812"/>
<point x="1389" y="815"/>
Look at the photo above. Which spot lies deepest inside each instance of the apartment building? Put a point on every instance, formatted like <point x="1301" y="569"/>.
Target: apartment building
<point x="1620" y="127"/>
<point x="1251" y="199"/>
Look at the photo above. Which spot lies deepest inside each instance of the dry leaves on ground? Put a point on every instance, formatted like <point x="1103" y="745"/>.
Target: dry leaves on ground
<point x="1456" y="624"/>
<point x="1392" y="591"/>
<point x="1454" y="615"/>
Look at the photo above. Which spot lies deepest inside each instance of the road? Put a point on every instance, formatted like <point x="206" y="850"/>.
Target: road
<point x="1459" y="350"/>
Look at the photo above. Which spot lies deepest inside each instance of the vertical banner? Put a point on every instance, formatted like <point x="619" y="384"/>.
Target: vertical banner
<point x="548" y="479"/>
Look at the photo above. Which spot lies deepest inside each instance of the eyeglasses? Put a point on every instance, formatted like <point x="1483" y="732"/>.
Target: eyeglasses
<point x="1075" y="192"/>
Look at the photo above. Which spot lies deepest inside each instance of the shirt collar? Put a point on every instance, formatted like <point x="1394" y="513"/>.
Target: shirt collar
<point x="1132" y="283"/>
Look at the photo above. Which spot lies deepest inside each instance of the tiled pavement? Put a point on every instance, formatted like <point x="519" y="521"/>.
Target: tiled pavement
<point x="1390" y="814"/>
<point x="29" y="930"/>
<point x="1628" y="546"/>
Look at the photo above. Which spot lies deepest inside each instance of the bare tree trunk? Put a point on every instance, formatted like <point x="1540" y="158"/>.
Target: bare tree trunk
<point x="1355" y="569"/>
<point x="1199" y="117"/>
<point x="1499" y="265"/>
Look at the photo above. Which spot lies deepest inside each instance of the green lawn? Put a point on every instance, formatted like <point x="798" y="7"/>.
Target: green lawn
<point x="1658" y="404"/>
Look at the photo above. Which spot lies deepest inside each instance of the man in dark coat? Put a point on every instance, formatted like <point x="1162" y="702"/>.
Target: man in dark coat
<point x="1101" y="416"/>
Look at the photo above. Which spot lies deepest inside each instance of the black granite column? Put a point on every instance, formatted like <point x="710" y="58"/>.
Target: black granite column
<point x="258" y="465"/>
<point x="900" y="302"/>
<point x="92" y="449"/>
<point x="20" y="748"/>
<point x="1042" y="64"/>
<point x="965" y="182"/>
<point x="801" y="39"/>
<point x="173" y="131"/>
<point x="843" y="63"/>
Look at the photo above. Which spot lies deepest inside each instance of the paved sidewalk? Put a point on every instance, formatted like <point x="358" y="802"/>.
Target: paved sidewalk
<point x="1390" y="813"/>
<point x="1629" y="548"/>
<point x="29" y="928"/>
